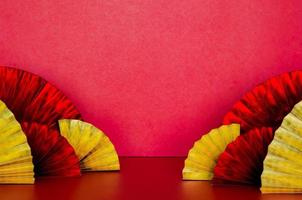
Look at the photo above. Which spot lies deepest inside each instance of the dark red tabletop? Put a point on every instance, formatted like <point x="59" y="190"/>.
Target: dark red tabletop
<point x="139" y="178"/>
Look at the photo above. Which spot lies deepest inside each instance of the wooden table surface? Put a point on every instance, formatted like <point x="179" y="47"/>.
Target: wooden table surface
<point x="139" y="178"/>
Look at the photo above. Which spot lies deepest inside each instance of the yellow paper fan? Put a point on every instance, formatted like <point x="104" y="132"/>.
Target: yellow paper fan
<point x="282" y="168"/>
<point x="16" y="165"/>
<point x="202" y="158"/>
<point x="92" y="146"/>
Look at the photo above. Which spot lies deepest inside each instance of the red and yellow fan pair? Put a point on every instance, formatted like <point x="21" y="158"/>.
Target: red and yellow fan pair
<point x="202" y="158"/>
<point x="268" y="151"/>
<point x="41" y="132"/>
<point x="92" y="146"/>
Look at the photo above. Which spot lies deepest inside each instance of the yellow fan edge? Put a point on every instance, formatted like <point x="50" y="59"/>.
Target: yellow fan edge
<point x="17" y="180"/>
<point x="14" y="146"/>
<point x="279" y="190"/>
<point x="284" y="175"/>
<point x="94" y="149"/>
<point x="202" y="157"/>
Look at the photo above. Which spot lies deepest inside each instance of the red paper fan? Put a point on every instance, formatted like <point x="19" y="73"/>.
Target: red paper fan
<point x="31" y="98"/>
<point x="53" y="156"/>
<point x="242" y="160"/>
<point x="268" y="103"/>
<point x="38" y="106"/>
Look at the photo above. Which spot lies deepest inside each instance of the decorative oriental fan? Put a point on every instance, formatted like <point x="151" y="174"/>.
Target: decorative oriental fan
<point x="38" y="106"/>
<point x="242" y="160"/>
<point x="203" y="156"/>
<point x="268" y="103"/>
<point x="15" y="155"/>
<point x="53" y="155"/>
<point x="282" y="171"/>
<point x="92" y="146"/>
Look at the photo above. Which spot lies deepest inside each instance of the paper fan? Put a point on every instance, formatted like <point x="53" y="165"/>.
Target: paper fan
<point x="268" y="103"/>
<point x="92" y="146"/>
<point x="31" y="98"/>
<point x="283" y="164"/>
<point x="16" y="165"/>
<point x="242" y="160"/>
<point x="53" y="155"/>
<point x="203" y="155"/>
<point x="38" y="106"/>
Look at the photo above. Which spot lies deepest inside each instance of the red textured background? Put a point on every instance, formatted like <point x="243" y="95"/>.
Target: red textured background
<point x="153" y="74"/>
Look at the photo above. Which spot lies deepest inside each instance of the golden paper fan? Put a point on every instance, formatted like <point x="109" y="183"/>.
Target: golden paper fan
<point x="282" y="171"/>
<point x="92" y="146"/>
<point x="202" y="158"/>
<point x="16" y="165"/>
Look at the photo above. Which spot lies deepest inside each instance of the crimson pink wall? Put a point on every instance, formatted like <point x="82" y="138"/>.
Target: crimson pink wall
<point x="153" y="74"/>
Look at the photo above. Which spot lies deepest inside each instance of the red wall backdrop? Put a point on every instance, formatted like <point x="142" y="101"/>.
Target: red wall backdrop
<point x="153" y="74"/>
